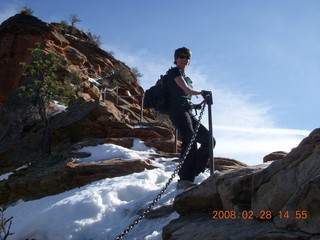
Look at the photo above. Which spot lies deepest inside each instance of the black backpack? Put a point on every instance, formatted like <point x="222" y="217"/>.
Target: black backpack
<point x="157" y="96"/>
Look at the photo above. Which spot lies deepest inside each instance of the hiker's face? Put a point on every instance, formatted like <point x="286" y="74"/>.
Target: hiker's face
<point x="183" y="60"/>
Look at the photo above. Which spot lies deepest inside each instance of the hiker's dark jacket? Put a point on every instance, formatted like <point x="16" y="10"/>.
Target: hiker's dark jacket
<point x="178" y="98"/>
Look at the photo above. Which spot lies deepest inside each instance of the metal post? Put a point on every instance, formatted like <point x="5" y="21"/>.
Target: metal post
<point x="211" y="156"/>
<point x="117" y="101"/>
<point x="104" y="94"/>
<point x="142" y="100"/>
<point x="100" y="94"/>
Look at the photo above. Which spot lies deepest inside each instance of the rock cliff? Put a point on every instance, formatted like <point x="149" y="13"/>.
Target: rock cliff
<point x="105" y="111"/>
<point x="276" y="201"/>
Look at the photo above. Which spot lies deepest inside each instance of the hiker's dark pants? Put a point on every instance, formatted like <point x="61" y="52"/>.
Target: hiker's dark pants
<point x="197" y="158"/>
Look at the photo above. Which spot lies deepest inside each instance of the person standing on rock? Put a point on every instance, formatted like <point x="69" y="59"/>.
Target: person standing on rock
<point x="180" y="113"/>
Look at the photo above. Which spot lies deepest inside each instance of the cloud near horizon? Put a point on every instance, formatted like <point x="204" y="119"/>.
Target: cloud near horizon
<point x="250" y="145"/>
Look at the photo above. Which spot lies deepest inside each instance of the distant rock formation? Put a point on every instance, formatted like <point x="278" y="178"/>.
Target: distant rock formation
<point x="278" y="155"/>
<point x="276" y="201"/>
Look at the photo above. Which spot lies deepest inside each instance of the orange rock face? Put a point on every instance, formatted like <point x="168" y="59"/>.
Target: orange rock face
<point x="14" y="44"/>
<point x="21" y="32"/>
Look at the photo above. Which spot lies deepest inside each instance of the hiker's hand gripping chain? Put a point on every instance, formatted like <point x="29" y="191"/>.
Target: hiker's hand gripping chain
<point x="207" y="95"/>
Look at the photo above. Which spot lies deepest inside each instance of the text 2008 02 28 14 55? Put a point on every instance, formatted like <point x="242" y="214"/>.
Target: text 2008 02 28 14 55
<point x="264" y="215"/>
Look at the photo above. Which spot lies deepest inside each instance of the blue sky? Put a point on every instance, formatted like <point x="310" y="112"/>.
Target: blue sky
<point x="260" y="58"/>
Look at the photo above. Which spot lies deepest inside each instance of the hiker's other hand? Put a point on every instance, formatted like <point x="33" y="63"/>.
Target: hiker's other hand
<point x="197" y="106"/>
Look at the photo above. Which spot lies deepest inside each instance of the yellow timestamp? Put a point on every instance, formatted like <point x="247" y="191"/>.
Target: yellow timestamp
<point x="241" y="215"/>
<point x="293" y="214"/>
<point x="263" y="215"/>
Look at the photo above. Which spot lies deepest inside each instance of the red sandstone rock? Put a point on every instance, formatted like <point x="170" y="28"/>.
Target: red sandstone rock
<point x="21" y="32"/>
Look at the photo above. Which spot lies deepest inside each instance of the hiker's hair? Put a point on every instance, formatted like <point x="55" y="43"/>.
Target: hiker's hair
<point x="181" y="51"/>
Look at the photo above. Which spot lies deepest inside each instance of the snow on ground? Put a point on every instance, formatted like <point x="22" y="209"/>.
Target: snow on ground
<point x="111" y="151"/>
<point x="6" y="175"/>
<point x="60" y="108"/>
<point x="95" y="81"/>
<point x="102" y="209"/>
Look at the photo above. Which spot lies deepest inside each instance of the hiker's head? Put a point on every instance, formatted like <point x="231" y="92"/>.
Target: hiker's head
<point x="182" y="53"/>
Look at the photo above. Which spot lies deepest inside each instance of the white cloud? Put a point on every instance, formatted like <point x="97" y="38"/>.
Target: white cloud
<point x="244" y="129"/>
<point x="236" y="109"/>
<point x="250" y="145"/>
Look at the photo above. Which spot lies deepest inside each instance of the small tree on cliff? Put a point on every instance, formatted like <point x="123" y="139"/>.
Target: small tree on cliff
<point x="44" y="87"/>
<point x="95" y="39"/>
<point x="74" y="20"/>
<point x="26" y="11"/>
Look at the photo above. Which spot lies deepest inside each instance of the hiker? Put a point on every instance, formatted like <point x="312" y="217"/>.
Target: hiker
<point x="180" y="113"/>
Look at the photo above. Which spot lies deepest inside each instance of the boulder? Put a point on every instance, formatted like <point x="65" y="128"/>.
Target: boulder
<point x="229" y="190"/>
<point x="278" y="155"/>
<point x="275" y="185"/>
<point x="222" y="164"/>
<point x="201" y="197"/>
<point x="159" y="212"/>
<point x="80" y="174"/>
<point x="163" y="145"/>
<point x="235" y="188"/>
<point x="303" y="208"/>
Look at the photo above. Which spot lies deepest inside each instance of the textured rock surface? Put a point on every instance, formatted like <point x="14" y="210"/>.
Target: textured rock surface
<point x="202" y="226"/>
<point x="202" y="197"/>
<point x="227" y="164"/>
<point x="16" y="36"/>
<point x="290" y="185"/>
<point x="275" y="185"/>
<point x="303" y="209"/>
<point x="229" y="190"/>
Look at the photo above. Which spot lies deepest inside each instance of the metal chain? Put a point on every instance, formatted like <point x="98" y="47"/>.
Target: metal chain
<point x="151" y="205"/>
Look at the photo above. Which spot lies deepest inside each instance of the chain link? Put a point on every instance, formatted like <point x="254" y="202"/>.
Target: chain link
<point x="152" y="204"/>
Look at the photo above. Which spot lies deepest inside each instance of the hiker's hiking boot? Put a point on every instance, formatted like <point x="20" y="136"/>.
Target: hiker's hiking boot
<point x="185" y="184"/>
